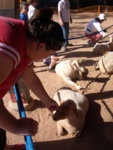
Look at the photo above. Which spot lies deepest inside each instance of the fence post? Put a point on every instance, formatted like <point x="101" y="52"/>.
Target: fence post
<point x="98" y="9"/>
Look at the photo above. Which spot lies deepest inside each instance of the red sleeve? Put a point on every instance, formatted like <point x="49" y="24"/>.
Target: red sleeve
<point x="12" y="38"/>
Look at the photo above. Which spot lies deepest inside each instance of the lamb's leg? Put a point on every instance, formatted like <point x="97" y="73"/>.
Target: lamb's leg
<point x="60" y="129"/>
<point x="69" y="81"/>
<point x="96" y="66"/>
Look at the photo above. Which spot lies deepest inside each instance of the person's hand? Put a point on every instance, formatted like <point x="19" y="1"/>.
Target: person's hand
<point x="52" y="105"/>
<point x="61" y="23"/>
<point x="26" y="126"/>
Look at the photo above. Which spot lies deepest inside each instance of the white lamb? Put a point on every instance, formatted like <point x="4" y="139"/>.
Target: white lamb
<point x="70" y="69"/>
<point x="105" y="64"/>
<point x="71" y="113"/>
<point x="102" y="48"/>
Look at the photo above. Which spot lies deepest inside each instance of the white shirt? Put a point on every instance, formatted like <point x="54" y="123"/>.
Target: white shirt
<point x="64" y="9"/>
<point x="31" y="11"/>
<point x="94" y="26"/>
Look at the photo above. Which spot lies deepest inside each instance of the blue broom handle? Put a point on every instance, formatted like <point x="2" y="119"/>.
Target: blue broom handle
<point x="27" y="138"/>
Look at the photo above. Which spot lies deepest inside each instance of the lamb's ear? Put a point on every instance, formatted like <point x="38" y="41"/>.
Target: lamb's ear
<point x="73" y="64"/>
<point x="81" y="61"/>
<point x="77" y="64"/>
<point x="72" y="106"/>
<point x="69" y="103"/>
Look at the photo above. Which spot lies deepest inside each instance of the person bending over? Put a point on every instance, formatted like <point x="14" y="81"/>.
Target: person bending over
<point x="21" y="44"/>
<point x="94" y="31"/>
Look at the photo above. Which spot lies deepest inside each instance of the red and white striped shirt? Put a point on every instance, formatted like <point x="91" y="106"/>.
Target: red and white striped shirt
<point x="13" y="44"/>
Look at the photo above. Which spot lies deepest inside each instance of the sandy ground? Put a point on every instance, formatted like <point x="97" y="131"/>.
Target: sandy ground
<point x="98" y="131"/>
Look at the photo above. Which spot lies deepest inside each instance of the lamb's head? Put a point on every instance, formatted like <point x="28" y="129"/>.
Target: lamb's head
<point x="65" y="110"/>
<point x="78" y="65"/>
<point x="110" y="43"/>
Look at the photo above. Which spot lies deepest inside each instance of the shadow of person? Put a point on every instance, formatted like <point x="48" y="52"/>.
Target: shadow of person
<point x="93" y="118"/>
<point x="98" y="139"/>
<point x="99" y="95"/>
<point x="97" y="135"/>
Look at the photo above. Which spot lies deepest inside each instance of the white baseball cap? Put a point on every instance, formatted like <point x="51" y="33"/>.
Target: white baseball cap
<point x="102" y="17"/>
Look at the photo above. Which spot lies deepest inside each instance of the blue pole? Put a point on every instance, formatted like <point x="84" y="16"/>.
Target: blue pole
<point x="27" y="138"/>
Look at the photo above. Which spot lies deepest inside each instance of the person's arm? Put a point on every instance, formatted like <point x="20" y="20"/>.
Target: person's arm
<point x="24" y="126"/>
<point x="60" y="14"/>
<point x="70" y="14"/>
<point x="99" y="28"/>
<point x="34" y="83"/>
<point x="60" y="18"/>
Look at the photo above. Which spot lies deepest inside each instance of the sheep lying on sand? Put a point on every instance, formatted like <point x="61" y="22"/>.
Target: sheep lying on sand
<point x="71" y="69"/>
<point x="102" y="48"/>
<point x="105" y="64"/>
<point x="71" y="113"/>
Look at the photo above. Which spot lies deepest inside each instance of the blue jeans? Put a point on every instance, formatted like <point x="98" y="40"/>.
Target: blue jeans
<point x="65" y="29"/>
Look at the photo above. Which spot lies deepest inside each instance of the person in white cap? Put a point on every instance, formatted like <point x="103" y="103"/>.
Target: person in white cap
<point x="94" y="31"/>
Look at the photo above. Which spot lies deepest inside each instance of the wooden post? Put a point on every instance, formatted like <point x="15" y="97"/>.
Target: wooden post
<point x="98" y="9"/>
<point x="9" y="8"/>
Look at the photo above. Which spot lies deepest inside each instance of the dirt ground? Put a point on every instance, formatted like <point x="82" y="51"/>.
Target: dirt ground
<point x="98" y="131"/>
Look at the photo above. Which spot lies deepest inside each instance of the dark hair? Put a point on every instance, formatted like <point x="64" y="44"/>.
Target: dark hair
<point x="40" y="27"/>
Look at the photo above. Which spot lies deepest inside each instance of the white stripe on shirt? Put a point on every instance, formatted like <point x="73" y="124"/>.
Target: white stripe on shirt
<point x="9" y="54"/>
<point x="10" y="51"/>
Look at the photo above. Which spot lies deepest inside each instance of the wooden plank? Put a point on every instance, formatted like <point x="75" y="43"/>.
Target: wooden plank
<point x="6" y="4"/>
<point x="9" y="5"/>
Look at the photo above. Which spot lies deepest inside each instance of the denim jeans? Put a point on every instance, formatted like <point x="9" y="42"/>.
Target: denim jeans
<point x="65" y="29"/>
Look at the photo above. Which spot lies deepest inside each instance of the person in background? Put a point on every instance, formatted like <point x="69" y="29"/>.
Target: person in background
<point x="32" y="7"/>
<point x="94" y="31"/>
<point x="24" y="10"/>
<point x="22" y="43"/>
<point x="51" y="61"/>
<point x="64" y="19"/>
